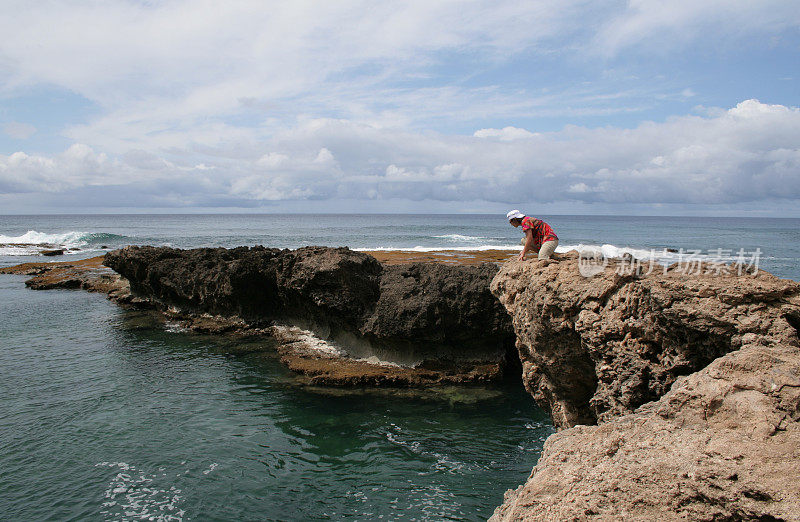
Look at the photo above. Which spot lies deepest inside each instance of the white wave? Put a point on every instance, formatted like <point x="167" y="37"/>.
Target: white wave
<point x="659" y="255"/>
<point x="6" y="250"/>
<point x="32" y="237"/>
<point x="32" y="243"/>
<point x="460" y="238"/>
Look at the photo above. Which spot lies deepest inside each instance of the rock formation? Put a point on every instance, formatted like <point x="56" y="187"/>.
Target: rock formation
<point x="439" y="321"/>
<point x="86" y="274"/>
<point x="694" y="380"/>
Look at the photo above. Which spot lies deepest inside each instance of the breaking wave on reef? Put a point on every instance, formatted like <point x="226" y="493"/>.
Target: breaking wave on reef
<point x="32" y="243"/>
<point x="459" y="237"/>
<point x="662" y="256"/>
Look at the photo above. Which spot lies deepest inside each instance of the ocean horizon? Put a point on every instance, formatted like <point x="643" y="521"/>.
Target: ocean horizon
<point x="775" y="242"/>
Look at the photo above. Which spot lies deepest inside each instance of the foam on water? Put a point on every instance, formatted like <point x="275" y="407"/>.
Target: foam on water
<point x="133" y="494"/>
<point x="661" y="256"/>
<point x="459" y="237"/>
<point x="444" y="463"/>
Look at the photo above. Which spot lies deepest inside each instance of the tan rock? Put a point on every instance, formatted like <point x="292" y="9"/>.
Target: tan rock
<point x="711" y="366"/>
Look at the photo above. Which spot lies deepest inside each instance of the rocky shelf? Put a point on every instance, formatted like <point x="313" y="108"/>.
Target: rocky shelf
<point x="677" y="394"/>
<point x="341" y="318"/>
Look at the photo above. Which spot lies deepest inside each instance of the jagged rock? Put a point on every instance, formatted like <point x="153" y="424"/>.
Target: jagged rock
<point x="407" y="313"/>
<point x="693" y="379"/>
<point x="54" y="252"/>
<point x="596" y="347"/>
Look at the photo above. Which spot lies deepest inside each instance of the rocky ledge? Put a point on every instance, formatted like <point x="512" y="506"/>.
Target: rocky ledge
<point x="342" y="317"/>
<point x="86" y="274"/>
<point x="693" y="380"/>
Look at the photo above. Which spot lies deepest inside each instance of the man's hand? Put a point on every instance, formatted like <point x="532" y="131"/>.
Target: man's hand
<point x="521" y="256"/>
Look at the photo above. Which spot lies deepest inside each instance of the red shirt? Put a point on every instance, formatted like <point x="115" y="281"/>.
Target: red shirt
<point x="541" y="230"/>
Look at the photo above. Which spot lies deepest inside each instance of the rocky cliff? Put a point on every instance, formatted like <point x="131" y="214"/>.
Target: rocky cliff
<point x="441" y="320"/>
<point x="693" y="380"/>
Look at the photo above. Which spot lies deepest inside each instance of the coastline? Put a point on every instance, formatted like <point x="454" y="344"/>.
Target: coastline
<point x="671" y="382"/>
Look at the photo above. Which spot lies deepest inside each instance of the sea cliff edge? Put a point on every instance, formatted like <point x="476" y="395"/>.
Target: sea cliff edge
<point x="692" y="378"/>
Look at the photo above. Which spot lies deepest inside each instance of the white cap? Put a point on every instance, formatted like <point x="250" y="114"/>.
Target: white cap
<point x="514" y="214"/>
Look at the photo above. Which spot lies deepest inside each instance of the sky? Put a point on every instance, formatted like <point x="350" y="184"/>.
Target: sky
<point x="679" y="107"/>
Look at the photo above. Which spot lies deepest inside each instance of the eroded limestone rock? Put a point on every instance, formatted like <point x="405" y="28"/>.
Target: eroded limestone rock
<point x="693" y="379"/>
<point x="598" y="347"/>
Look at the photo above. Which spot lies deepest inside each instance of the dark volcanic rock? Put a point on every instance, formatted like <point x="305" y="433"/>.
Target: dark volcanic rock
<point x="54" y="252"/>
<point x="437" y="303"/>
<point x="323" y="285"/>
<point x="405" y="312"/>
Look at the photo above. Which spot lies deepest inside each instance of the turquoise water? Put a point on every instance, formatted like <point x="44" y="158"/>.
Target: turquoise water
<point x="109" y="416"/>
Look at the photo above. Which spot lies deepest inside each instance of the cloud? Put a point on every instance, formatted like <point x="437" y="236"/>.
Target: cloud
<point x="748" y="153"/>
<point x="77" y="166"/>
<point x="19" y="131"/>
<point x="197" y="74"/>
<point x="504" y="134"/>
<point x="169" y="73"/>
<point x="654" y="25"/>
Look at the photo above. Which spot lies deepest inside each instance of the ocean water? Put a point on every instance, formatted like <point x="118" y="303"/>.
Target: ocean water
<point x="107" y="415"/>
<point x="775" y="241"/>
<point x="110" y="415"/>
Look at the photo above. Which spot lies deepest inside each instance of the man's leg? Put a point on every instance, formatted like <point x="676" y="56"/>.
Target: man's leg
<point x="547" y="249"/>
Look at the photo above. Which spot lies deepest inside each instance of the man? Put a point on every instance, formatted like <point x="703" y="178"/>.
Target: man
<point x="539" y="237"/>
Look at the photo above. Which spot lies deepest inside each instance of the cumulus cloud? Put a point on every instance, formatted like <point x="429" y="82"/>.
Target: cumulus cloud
<point x="747" y="153"/>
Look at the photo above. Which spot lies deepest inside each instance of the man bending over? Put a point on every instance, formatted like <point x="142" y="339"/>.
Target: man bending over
<point x="539" y="237"/>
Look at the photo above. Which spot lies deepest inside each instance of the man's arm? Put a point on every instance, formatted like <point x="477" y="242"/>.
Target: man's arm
<point x="528" y="244"/>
